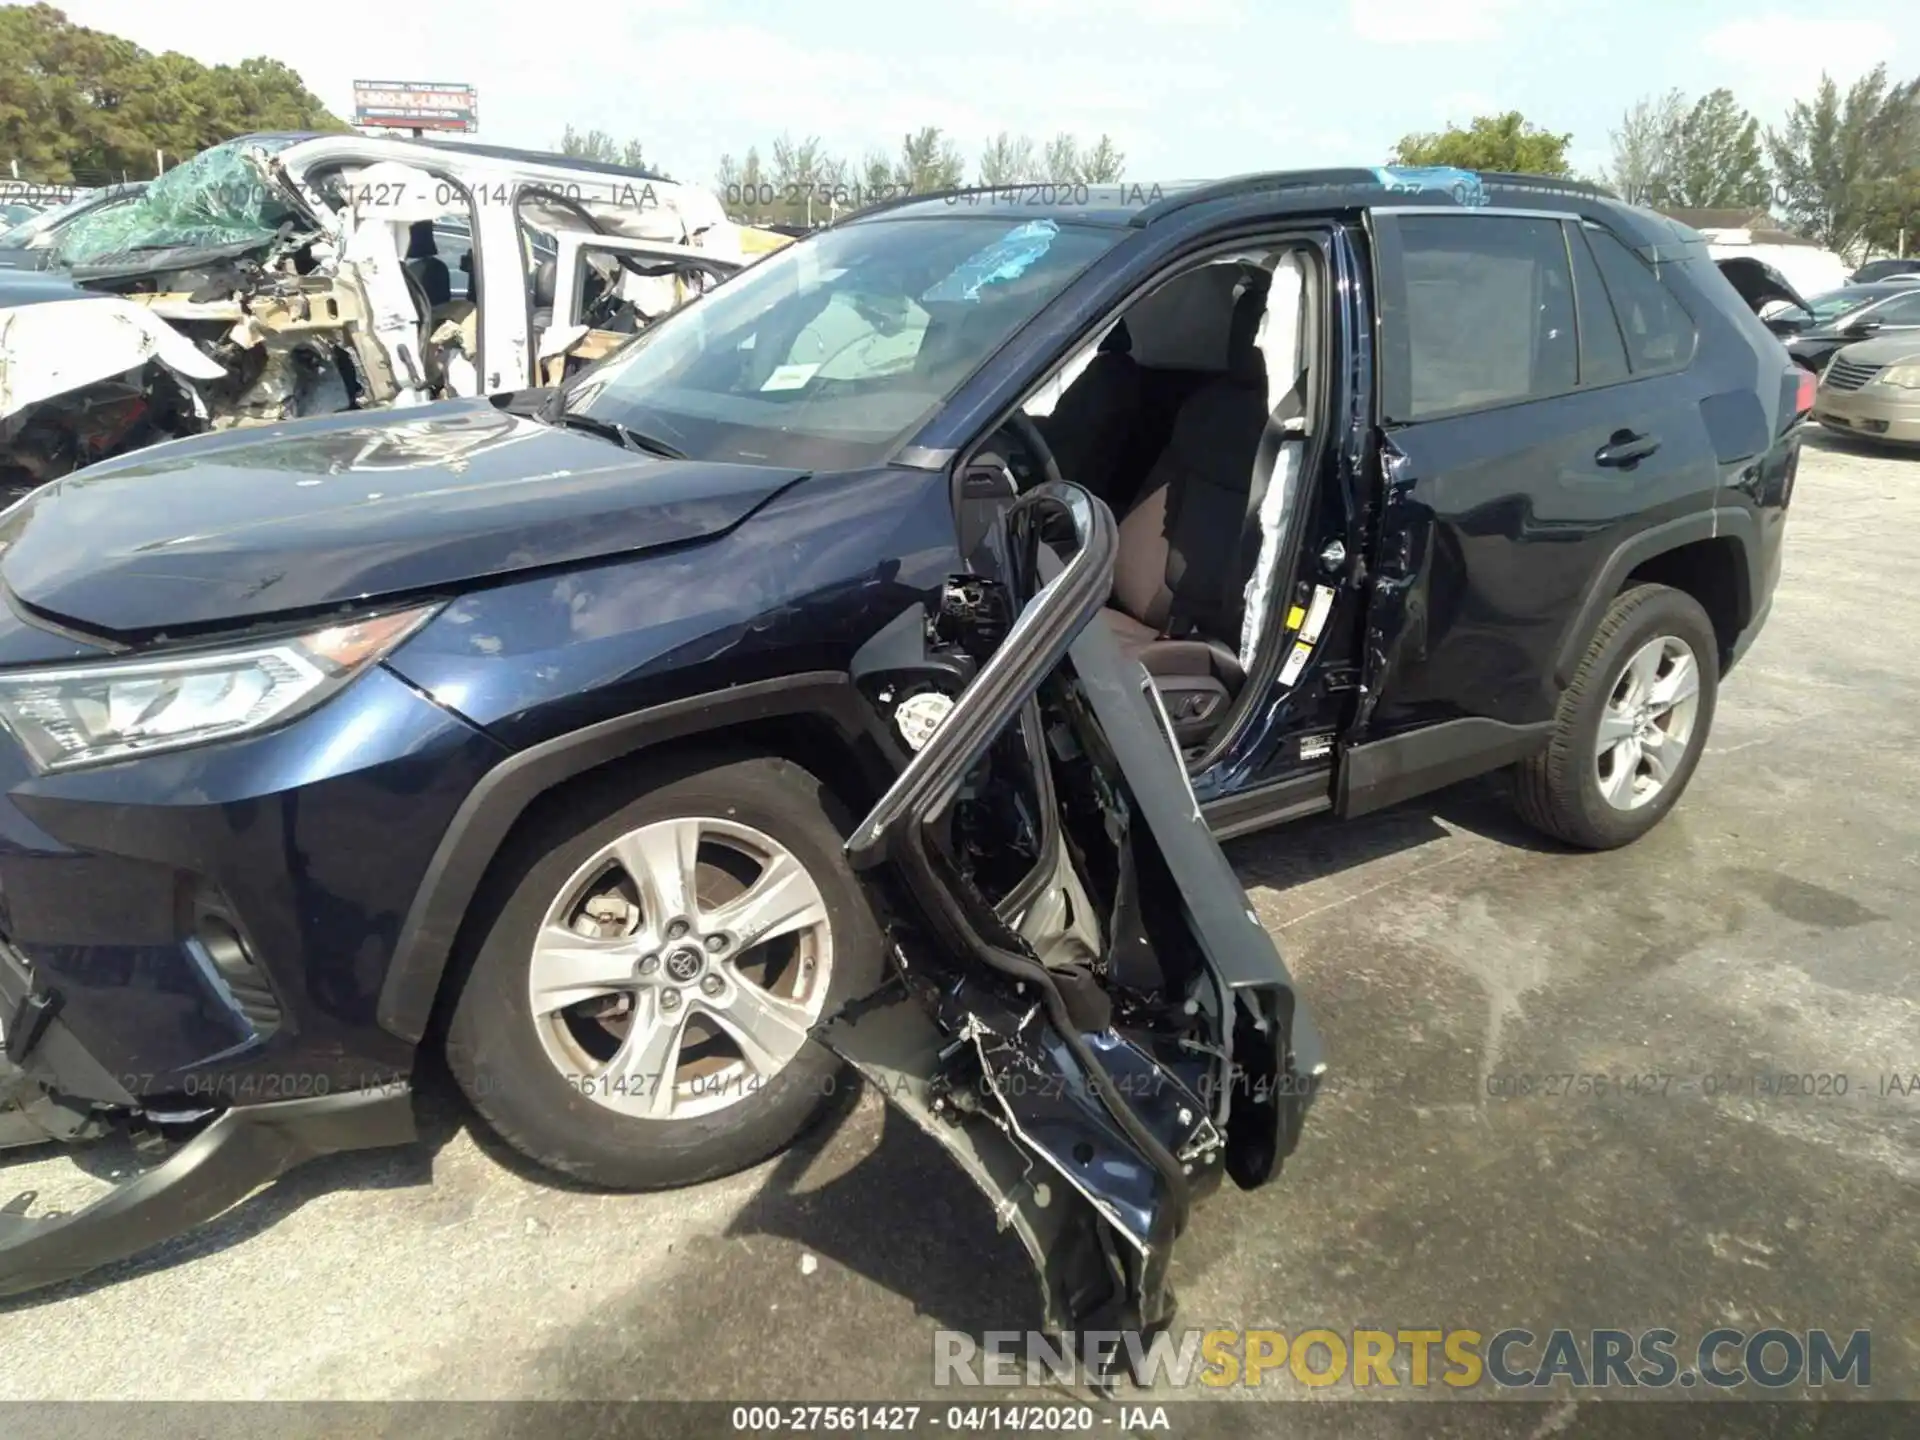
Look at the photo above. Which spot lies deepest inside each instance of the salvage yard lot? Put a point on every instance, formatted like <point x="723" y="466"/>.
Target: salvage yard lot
<point x="1768" y="927"/>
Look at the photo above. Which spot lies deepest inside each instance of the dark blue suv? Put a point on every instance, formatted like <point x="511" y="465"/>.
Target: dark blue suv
<point x="861" y="664"/>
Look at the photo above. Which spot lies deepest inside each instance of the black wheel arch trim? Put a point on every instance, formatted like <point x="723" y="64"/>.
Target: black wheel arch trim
<point x="496" y="803"/>
<point x="1721" y="521"/>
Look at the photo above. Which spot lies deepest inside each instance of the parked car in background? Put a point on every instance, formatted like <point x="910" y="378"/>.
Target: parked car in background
<point x="540" y="728"/>
<point x="279" y="276"/>
<point x="1872" y="390"/>
<point x="30" y="244"/>
<point x="13" y="213"/>
<point x="1841" y="317"/>
<point x="1875" y="270"/>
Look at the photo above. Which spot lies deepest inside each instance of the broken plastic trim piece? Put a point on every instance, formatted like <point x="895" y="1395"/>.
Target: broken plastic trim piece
<point x="235" y="1155"/>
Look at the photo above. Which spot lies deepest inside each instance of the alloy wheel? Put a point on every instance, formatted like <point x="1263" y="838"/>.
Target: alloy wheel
<point x="1648" y="722"/>
<point x="680" y="968"/>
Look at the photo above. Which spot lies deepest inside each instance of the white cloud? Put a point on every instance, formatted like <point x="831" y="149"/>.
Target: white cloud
<point x="1777" y="57"/>
<point x="1428" y="22"/>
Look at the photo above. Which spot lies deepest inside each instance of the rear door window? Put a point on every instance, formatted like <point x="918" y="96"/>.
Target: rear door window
<point x="1659" y="334"/>
<point x="1903" y="311"/>
<point x="1603" y="353"/>
<point x="1486" y="315"/>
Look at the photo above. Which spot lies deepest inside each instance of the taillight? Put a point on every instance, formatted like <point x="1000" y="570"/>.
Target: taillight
<point x="1803" y="397"/>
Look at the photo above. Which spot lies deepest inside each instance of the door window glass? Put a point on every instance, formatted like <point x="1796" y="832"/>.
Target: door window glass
<point x="1488" y="314"/>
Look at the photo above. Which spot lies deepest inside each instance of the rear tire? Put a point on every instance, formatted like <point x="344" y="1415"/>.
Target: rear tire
<point x="623" y="1087"/>
<point x="1631" y="726"/>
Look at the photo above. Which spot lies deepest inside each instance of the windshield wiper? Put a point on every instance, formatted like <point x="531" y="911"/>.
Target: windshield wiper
<point x="613" y="430"/>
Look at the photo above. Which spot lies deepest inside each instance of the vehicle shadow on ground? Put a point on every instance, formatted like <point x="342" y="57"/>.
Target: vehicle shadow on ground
<point x="904" y="1218"/>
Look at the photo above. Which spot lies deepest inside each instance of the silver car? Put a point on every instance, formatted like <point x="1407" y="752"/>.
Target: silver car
<point x="1872" y="390"/>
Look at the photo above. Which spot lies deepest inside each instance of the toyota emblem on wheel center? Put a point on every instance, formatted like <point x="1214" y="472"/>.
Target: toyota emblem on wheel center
<point x="683" y="965"/>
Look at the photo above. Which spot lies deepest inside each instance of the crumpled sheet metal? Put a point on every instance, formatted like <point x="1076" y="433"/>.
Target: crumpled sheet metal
<point x="51" y="349"/>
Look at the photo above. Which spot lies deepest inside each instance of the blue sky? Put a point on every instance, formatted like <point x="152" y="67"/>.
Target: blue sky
<point x="1186" y="87"/>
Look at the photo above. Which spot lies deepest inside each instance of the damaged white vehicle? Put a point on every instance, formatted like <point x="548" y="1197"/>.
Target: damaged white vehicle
<point x="280" y="276"/>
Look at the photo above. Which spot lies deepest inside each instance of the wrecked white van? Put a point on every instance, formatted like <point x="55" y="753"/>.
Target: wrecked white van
<point x="280" y="276"/>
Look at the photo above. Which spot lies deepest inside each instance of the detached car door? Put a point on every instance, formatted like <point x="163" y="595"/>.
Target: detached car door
<point x="1084" y="1011"/>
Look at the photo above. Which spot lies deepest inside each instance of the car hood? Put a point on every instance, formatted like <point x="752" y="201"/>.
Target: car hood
<point x="1889" y="350"/>
<point x="1759" y="283"/>
<point x="20" y="286"/>
<point x="252" y="523"/>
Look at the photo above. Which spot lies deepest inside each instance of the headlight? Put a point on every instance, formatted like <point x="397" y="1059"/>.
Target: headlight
<point x="1907" y="376"/>
<point x="89" y="714"/>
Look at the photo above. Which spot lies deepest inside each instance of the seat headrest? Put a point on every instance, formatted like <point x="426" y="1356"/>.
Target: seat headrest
<point x="1183" y="325"/>
<point x="1244" y="356"/>
<point x="420" y="242"/>
<point x="545" y="278"/>
<point x="1117" y="341"/>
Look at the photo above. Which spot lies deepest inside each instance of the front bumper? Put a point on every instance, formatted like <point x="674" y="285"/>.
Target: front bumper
<point x="214" y="925"/>
<point x="1873" y="412"/>
<point x="46" y="1076"/>
<point x="235" y="1155"/>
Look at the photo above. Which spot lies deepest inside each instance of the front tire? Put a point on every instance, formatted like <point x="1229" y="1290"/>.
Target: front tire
<point x="1631" y="726"/>
<point x="637" y="1008"/>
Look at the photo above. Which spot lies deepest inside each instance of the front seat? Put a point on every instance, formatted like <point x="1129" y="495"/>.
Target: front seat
<point x="1176" y="586"/>
<point x="426" y="266"/>
<point x="544" y="283"/>
<point x="1094" y="429"/>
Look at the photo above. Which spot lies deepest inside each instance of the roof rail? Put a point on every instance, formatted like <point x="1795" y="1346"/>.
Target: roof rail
<point x="914" y="197"/>
<point x="1351" y="176"/>
<point x="1255" y="184"/>
<point x="1545" y="184"/>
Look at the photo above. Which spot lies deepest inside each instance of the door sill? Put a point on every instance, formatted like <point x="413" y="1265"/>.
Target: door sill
<point x="1291" y="799"/>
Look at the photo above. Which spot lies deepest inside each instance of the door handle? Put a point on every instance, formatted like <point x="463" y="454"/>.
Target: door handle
<point x="1624" y="449"/>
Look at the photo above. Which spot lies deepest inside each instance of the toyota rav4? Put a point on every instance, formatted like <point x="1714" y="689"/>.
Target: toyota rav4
<point x="862" y="663"/>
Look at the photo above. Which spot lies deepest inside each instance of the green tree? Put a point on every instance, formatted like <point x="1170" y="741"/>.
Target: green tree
<point x="1061" y="166"/>
<point x="1506" y="142"/>
<point x="599" y="145"/>
<point x="81" y="102"/>
<point x="1837" y="160"/>
<point x="1716" y="159"/>
<point x="1643" y="148"/>
<point x="1103" y="164"/>
<point x="928" y="161"/>
<point x="1008" y="160"/>
<point x="876" y="178"/>
<point x="1893" y="214"/>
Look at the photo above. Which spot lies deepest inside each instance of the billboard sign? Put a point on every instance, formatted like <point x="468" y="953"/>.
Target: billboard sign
<point x="415" y="105"/>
